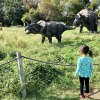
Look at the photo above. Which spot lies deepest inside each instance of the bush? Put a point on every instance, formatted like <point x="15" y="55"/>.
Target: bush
<point x="12" y="54"/>
<point x="33" y="15"/>
<point x="2" y="55"/>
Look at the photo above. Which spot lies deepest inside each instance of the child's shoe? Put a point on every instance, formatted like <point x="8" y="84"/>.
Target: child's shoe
<point x="82" y="96"/>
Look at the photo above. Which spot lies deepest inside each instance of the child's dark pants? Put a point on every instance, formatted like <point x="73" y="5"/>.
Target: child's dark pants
<point x="82" y="81"/>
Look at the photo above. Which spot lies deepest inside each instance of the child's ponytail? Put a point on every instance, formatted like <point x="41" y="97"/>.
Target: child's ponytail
<point x="90" y="54"/>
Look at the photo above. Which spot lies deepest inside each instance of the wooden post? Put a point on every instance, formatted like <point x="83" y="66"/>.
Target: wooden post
<point x="21" y="74"/>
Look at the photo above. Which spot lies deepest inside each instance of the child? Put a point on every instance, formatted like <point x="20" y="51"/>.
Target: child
<point x="84" y="69"/>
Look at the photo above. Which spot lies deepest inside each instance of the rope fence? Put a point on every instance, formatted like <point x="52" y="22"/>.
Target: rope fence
<point x="48" y="62"/>
<point x="21" y="71"/>
<point x="59" y="64"/>
<point x="9" y="62"/>
<point x="51" y="62"/>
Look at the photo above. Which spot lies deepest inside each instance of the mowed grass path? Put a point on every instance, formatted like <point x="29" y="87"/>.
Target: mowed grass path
<point x="14" y="39"/>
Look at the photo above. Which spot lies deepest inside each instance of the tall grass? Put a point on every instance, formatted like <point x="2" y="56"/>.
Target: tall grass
<point x="45" y="82"/>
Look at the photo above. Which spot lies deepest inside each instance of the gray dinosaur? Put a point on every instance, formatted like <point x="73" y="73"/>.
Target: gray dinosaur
<point x="86" y="18"/>
<point x="48" y="29"/>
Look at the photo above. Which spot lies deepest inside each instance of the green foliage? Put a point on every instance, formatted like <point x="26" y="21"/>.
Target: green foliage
<point x="1" y="11"/>
<point x="15" y="87"/>
<point x="5" y="79"/>
<point x="25" y="18"/>
<point x="85" y="2"/>
<point x="33" y="15"/>
<point x="47" y="10"/>
<point x="13" y="11"/>
<point x="12" y="54"/>
<point x="73" y="6"/>
<point x="2" y="55"/>
<point x="94" y="4"/>
<point x="56" y="10"/>
<point x="31" y="3"/>
<point x="40" y="76"/>
<point x="51" y="9"/>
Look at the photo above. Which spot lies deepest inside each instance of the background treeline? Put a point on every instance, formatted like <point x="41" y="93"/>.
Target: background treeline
<point x="17" y="12"/>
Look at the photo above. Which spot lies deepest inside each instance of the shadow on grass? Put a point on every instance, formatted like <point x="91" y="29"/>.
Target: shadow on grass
<point x="96" y="95"/>
<point x="65" y="98"/>
<point x="53" y="98"/>
<point x="76" y="43"/>
<point x="3" y="55"/>
<point x="39" y="78"/>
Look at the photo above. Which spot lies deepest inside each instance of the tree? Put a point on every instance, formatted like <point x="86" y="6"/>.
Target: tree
<point x="31" y="3"/>
<point x="94" y="4"/>
<point x="52" y="9"/>
<point x="46" y="10"/>
<point x="85" y="2"/>
<point x="1" y="11"/>
<point x="13" y="11"/>
<point x="71" y="8"/>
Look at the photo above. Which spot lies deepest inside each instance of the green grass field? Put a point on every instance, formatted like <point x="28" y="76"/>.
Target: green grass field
<point x="45" y="82"/>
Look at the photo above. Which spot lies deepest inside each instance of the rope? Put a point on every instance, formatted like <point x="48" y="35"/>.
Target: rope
<point x="41" y="62"/>
<point x="51" y="62"/>
<point x="9" y="61"/>
<point x="48" y="62"/>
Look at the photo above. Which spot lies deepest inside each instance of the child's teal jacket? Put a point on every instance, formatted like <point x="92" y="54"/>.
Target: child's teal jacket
<point x="84" y="67"/>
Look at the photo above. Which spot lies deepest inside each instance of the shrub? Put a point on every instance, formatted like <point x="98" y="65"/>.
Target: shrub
<point x="12" y="54"/>
<point x="2" y="55"/>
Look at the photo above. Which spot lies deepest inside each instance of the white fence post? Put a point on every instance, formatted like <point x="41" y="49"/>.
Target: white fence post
<point x="21" y="74"/>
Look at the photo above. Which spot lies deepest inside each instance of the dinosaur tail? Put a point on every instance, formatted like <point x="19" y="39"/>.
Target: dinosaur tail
<point x="70" y="27"/>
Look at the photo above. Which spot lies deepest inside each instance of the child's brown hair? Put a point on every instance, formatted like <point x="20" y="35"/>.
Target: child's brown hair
<point x="86" y="50"/>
